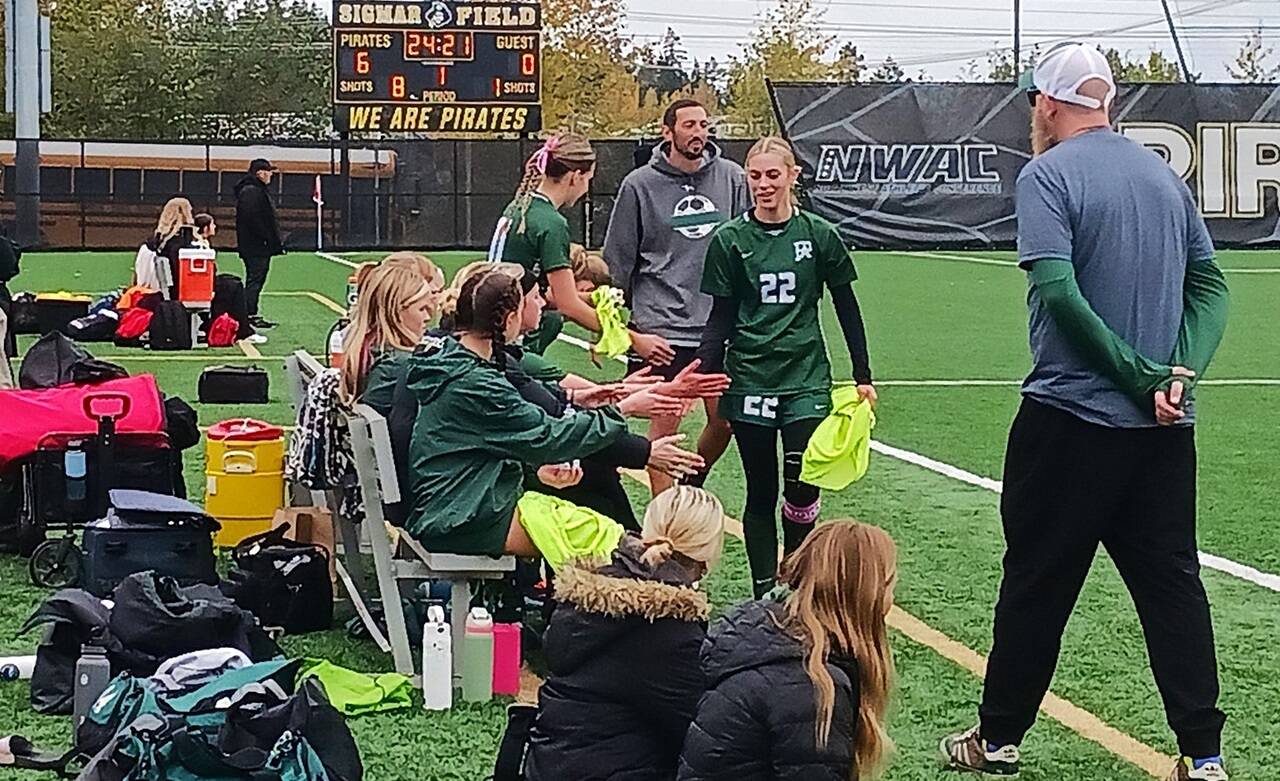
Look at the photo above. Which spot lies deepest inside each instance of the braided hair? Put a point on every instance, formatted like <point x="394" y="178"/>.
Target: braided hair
<point x="485" y="302"/>
<point x="561" y="154"/>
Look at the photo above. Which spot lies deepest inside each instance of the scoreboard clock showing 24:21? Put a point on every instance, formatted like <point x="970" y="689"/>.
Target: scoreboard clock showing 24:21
<point x="437" y="66"/>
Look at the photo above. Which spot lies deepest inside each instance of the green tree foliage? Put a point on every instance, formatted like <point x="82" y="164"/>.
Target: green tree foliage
<point x="786" y="45"/>
<point x="888" y="71"/>
<point x="1253" y="63"/>
<point x="1155" y="67"/>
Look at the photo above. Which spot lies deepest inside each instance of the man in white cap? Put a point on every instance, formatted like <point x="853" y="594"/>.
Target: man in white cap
<point x="1127" y="309"/>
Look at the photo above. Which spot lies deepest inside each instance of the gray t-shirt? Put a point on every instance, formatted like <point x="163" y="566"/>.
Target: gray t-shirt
<point x="1129" y="225"/>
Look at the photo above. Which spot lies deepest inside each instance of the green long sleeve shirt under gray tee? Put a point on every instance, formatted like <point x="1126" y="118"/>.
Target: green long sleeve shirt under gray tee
<point x="1122" y="282"/>
<point x="472" y="438"/>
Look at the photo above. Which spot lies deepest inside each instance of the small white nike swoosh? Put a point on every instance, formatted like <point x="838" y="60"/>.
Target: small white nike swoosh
<point x="747" y="254"/>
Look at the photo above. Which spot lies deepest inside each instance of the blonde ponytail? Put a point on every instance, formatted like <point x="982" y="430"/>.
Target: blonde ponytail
<point x="683" y="520"/>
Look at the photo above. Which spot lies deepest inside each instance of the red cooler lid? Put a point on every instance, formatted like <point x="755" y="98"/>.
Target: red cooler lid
<point x="245" y="430"/>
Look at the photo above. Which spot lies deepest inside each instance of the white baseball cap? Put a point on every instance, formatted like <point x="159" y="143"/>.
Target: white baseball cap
<point x="1066" y="67"/>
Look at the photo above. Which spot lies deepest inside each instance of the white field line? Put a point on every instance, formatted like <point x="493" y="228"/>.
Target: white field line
<point x="329" y="256"/>
<point x="1235" y="569"/>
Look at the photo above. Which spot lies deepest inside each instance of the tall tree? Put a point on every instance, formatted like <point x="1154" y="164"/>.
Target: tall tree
<point x="850" y="64"/>
<point x="586" y="64"/>
<point x="1253" y="63"/>
<point x="786" y="44"/>
<point x="888" y="71"/>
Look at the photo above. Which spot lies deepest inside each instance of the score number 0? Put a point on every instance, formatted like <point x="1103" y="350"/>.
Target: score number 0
<point x="528" y="67"/>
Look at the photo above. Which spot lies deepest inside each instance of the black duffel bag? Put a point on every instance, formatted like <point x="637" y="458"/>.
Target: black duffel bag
<point x="283" y="582"/>
<point x="233" y="385"/>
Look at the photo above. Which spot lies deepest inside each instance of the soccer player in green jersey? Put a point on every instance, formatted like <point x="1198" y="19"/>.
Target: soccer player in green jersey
<point x="766" y="271"/>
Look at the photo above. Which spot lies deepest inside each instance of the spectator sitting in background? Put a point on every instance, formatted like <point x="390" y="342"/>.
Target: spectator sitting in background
<point x="797" y="690"/>
<point x="206" y="229"/>
<point x="257" y="234"/>
<point x="175" y="231"/>
<point x="623" y="650"/>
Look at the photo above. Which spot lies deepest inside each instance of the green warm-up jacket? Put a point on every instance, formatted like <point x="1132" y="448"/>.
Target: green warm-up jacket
<point x="472" y="437"/>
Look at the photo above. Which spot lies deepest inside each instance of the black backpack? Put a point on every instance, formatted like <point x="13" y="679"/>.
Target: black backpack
<point x="170" y="327"/>
<point x="283" y="582"/>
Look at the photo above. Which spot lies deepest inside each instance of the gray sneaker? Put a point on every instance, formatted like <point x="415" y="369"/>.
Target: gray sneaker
<point x="968" y="751"/>
<point x="1208" y="770"/>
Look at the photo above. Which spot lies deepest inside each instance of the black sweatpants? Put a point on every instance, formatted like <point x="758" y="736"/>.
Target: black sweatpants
<point x="255" y="278"/>
<point x="1068" y="486"/>
<point x="758" y="449"/>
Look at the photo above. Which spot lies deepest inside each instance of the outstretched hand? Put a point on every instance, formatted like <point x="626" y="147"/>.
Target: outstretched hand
<point x="690" y="384"/>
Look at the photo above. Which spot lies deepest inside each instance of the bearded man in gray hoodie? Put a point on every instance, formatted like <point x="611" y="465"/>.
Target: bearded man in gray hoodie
<point x="656" y="246"/>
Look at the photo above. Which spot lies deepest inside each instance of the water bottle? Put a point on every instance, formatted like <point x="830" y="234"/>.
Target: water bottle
<point x="335" y="347"/>
<point x="93" y="673"/>
<point x="76" y="469"/>
<point x="477" y="657"/>
<point x="506" y="659"/>
<point x="437" y="662"/>
<point x="353" y="293"/>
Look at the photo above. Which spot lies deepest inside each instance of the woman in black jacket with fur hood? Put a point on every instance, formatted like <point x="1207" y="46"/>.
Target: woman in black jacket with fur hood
<point x="797" y="690"/>
<point x="623" y="650"/>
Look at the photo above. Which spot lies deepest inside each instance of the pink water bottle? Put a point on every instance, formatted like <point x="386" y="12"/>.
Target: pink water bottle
<point x="506" y="659"/>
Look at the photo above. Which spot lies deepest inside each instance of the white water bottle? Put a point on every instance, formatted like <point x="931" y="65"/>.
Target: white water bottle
<point x="437" y="662"/>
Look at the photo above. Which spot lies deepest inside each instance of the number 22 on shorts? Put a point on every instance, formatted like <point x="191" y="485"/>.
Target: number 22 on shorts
<point x="760" y="406"/>
<point x="779" y="288"/>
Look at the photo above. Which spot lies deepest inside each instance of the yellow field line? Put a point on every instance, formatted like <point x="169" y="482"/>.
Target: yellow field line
<point x="1073" y="717"/>
<point x="250" y="350"/>
<point x="323" y="300"/>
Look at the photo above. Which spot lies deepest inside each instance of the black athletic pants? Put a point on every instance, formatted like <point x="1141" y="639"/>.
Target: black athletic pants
<point x="255" y="278"/>
<point x="758" y="449"/>
<point x="1068" y="487"/>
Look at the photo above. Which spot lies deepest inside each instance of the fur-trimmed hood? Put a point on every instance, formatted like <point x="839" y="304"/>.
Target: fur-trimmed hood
<point x="599" y="604"/>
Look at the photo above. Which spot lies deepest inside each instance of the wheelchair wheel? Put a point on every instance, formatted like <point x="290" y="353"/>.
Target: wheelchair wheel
<point x="55" y="564"/>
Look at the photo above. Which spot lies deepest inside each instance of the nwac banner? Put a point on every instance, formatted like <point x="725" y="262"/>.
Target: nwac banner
<point x="934" y="165"/>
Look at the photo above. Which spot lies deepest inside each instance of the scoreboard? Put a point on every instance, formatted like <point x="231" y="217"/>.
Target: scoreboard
<point x="437" y="66"/>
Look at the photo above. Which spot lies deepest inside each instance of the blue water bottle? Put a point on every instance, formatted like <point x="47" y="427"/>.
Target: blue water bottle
<point x="75" y="466"/>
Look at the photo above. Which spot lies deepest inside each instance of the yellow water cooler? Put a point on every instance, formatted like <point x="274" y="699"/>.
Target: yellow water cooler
<point x="244" y="477"/>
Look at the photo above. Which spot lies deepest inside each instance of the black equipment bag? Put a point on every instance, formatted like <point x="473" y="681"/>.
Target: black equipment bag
<point x="142" y="462"/>
<point x="283" y="582"/>
<point x="233" y="385"/>
<point x="56" y="314"/>
<point x="99" y="326"/>
<point x="56" y="360"/>
<point x="229" y="298"/>
<point x="148" y="531"/>
<point x="170" y="327"/>
<point x="24" y="319"/>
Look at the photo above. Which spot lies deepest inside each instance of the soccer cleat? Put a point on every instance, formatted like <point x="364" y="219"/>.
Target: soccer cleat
<point x="968" y="751"/>
<point x="1188" y="769"/>
<point x="255" y="339"/>
<point x="257" y="321"/>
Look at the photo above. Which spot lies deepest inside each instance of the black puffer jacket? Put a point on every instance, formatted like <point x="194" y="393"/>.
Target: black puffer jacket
<point x="756" y="721"/>
<point x="625" y="680"/>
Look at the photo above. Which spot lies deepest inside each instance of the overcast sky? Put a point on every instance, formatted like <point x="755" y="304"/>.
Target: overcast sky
<point x="942" y="36"/>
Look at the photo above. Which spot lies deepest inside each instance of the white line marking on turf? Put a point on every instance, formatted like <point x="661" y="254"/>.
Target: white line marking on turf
<point x="1242" y="571"/>
<point x="336" y="259"/>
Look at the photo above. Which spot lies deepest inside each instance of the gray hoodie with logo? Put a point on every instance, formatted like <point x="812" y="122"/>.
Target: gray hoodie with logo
<point x="657" y="240"/>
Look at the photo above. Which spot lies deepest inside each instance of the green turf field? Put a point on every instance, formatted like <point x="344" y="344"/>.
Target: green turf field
<point x="948" y="344"/>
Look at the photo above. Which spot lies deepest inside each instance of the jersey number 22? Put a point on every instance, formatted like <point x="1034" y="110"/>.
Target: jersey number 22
<point x="778" y="288"/>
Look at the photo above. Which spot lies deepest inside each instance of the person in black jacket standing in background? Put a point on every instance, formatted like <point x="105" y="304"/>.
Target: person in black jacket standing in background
<point x="9" y="256"/>
<point x="257" y="234"/>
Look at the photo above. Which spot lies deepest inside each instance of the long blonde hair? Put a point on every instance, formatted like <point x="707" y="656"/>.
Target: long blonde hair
<point x="386" y="291"/>
<point x="588" y="266"/>
<point x="175" y="215"/>
<point x="776" y="146"/>
<point x="558" y="156"/>
<point x="684" y="520"/>
<point x="841" y="579"/>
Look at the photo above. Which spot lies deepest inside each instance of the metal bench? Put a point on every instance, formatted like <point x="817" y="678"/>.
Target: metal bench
<point x="400" y="569"/>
